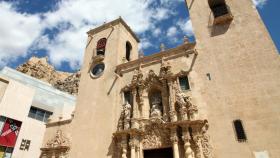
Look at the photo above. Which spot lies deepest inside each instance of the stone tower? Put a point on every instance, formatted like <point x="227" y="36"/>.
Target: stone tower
<point x="97" y="112"/>
<point x="238" y="76"/>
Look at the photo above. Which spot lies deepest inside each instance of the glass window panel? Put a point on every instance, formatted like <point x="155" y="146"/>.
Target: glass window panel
<point x="8" y="153"/>
<point x="184" y="83"/>
<point x="32" y="112"/>
<point x="40" y="115"/>
<point x="98" y="69"/>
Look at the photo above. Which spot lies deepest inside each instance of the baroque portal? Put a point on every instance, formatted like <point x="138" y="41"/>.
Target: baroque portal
<point x="168" y="122"/>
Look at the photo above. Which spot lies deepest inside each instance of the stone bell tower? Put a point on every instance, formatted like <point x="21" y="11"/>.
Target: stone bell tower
<point x="238" y="70"/>
<point x="96" y="114"/>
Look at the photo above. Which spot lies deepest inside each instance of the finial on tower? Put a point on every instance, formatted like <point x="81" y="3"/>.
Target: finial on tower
<point x="186" y="39"/>
<point x="162" y="47"/>
<point x="141" y="54"/>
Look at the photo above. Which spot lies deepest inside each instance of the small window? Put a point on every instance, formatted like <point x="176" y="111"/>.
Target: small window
<point x="101" y="45"/>
<point x="239" y="131"/>
<point x="127" y="97"/>
<point x="128" y="51"/>
<point x="39" y="114"/>
<point x="184" y="83"/>
<point x="98" y="69"/>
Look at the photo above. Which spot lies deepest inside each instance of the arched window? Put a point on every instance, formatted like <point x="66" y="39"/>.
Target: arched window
<point x="128" y="50"/>
<point x="239" y="130"/>
<point x="101" y="45"/>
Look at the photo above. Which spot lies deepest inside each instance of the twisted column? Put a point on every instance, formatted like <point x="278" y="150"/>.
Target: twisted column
<point x="141" y="101"/>
<point x="174" y="139"/>
<point x="135" y="110"/>
<point x="172" y="112"/>
<point x="133" y="146"/>
<point x="165" y="101"/>
<point x="187" y="145"/>
<point x="124" y="147"/>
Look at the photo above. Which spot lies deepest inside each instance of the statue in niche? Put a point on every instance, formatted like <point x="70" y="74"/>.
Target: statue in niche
<point x="126" y="115"/>
<point x="156" y="107"/>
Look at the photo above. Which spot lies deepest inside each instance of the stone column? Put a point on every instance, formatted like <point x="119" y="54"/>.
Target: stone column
<point x="133" y="146"/>
<point x="124" y="146"/>
<point x="141" y="154"/>
<point x="174" y="139"/>
<point x="135" y="110"/>
<point x="165" y="101"/>
<point x="173" y="116"/>
<point x="197" y="142"/>
<point x="187" y="145"/>
<point x="141" y="103"/>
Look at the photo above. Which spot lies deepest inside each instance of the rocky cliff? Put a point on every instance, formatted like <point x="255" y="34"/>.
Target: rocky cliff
<point x="40" y="68"/>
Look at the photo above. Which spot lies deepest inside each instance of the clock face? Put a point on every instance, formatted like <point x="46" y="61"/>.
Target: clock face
<point x="98" y="69"/>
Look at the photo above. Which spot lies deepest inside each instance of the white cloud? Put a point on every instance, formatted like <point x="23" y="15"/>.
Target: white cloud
<point x="17" y="31"/>
<point x="172" y="34"/>
<point x="24" y="31"/>
<point x="172" y="31"/>
<point x="260" y="3"/>
<point x="186" y="27"/>
<point x="145" y="43"/>
<point x="156" y="32"/>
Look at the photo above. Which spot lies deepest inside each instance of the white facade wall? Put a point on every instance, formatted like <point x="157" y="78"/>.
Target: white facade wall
<point x="18" y="92"/>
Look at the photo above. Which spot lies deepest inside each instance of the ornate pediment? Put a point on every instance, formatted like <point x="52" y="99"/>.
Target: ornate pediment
<point x="58" y="141"/>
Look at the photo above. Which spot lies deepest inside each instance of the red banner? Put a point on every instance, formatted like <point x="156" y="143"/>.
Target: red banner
<point x="10" y="131"/>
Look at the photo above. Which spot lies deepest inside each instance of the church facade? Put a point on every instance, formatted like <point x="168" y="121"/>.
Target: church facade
<point x="216" y="98"/>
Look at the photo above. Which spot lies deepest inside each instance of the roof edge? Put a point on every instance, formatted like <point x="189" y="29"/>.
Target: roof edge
<point x="114" y="22"/>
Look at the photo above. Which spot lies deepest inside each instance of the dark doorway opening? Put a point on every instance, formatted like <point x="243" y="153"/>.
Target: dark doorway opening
<point x="159" y="153"/>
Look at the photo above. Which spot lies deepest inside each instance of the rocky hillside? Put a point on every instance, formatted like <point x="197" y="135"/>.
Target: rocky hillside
<point x="40" y="68"/>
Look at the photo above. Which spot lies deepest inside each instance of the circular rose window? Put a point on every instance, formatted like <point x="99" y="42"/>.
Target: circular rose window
<point x="98" y="69"/>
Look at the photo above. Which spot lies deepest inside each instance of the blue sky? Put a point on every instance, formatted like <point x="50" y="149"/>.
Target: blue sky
<point x="57" y="28"/>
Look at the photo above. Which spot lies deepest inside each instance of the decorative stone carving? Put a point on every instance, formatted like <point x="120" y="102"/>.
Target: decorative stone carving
<point x="156" y="107"/>
<point x="196" y="144"/>
<point x="58" y="141"/>
<point x="156" y="137"/>
<point x="205" y="143"/>
<point x="165" y="70"/>
<point x="59" y="147"/>
<point x="187" y="146"/>
<point x="185" y="104"/>
<point x="125" y="117"/>
<point x="124" y="147"/>
<point x="127" y="111"/>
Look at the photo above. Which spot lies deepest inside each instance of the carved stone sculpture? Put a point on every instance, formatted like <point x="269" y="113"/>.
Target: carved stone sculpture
<point x="185" y="104"/>
<point x="156" y="108"/>
<point x="58" y="141"/>
<point x="205" y="143"/>
<point x="156" y="137"/>
<point x="126" y="115"/>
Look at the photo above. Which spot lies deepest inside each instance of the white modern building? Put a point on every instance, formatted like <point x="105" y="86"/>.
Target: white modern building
<point x="26" y="104"/>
